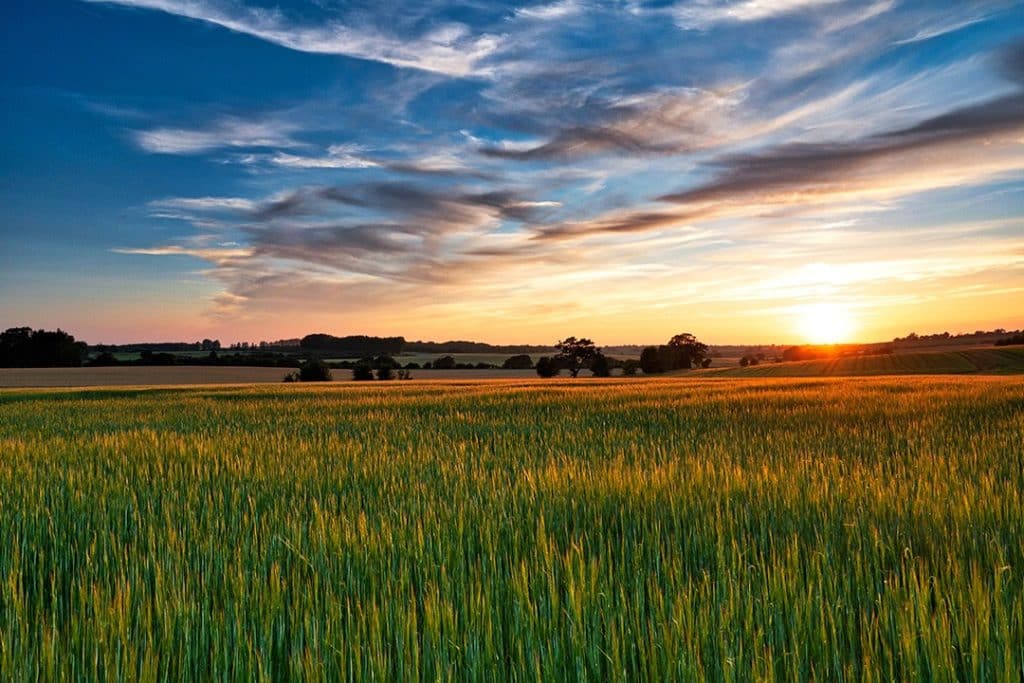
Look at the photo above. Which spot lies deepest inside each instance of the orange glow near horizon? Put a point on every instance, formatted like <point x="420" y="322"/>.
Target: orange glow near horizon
<point x="826" y="323"/>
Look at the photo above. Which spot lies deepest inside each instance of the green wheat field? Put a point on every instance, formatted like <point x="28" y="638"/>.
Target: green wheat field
<point x="680" y="529"/>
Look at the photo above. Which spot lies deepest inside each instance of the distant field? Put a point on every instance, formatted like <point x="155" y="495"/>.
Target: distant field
<point x="670" y="529"/>
<point x="474" y="358"/>
<point x="137" y="376"/>
<point x="125" y="356"/>
<point x="198" y="374"/>
<point x="1004" y="360"/>
<point x="978" y="361"/>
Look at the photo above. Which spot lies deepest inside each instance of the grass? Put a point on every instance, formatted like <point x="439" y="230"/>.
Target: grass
<point x="859" y="529"/>
<point x="968" y="361"/>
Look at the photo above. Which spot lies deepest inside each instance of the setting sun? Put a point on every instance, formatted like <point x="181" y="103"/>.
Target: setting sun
<point x="825" y="323"/>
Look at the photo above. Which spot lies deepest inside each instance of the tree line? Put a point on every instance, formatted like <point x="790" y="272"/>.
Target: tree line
<point x="23" y="347"/>
<point x="682" y="352"/>
<point x="360" y="346"/>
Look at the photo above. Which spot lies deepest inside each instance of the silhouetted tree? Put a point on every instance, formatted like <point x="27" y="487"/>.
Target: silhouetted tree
<point x="651" y="361"/>
<point x="385" y="372"/>
<point x="352" y="346"/>
<point x="444" y="363"/>
<point x="629" y="367"/>
<point x="314" y="370"/>
<point x="689" y="351"/>
<point x="600" y="366"/>
<point x="385" y="361"/>
<point x="147" y="357"/>
<point x="546" y="367"/>
<point x="105" y="359"/>
<point x="574" y="354"/>
<point x="706" y="363"/>
<point x="683" y="351"/>
<point x="520" y="362"/>
<point x="20" y="347"/>
<point x="362" y="373"/>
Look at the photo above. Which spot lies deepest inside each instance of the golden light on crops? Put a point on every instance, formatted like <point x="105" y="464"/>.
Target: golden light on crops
<point x="826" y="323"/>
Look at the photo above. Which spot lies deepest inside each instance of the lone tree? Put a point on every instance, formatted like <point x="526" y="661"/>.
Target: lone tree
<point x="575" y="354"/>
<point x="692" y="351"/>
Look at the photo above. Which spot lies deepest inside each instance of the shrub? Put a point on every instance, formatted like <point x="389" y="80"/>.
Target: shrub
<point x="385" y="372"/>
<point x="520" y="362"/>
<point x="445" y="363"/>
<point x="386" y="361"/>
<point x="600" y="366"/>
<point x="362" y="373"/>
<point x="314" y="370"/>
<point x="546" y="368"/>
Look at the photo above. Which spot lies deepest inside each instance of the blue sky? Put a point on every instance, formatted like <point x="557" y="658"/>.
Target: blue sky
<point x="745" y="170"/>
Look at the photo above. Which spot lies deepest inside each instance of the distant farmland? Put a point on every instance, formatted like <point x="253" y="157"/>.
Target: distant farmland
<point x="977" y="361"/>
<point x="198" y="374"/>
<point x="674" y="529"/>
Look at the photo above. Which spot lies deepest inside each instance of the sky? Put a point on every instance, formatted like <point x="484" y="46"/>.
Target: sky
<point x="745" y="170"/>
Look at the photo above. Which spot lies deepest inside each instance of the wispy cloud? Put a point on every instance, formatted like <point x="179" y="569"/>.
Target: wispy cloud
<point x="660" y="122"/>
<point x="943" y="151"/>
<point x="704" y="13"/>
<point x="338" y="156"/>
<point x="223" y="133"/>
<point x="756" y="177"/>
<point x="936" y="30"/>
<point x="963" y="146"/>
<point x="448" y="49"/>
<point x="553" y="10"/>
<point x="221" y="255"/>
<point x="206" y="203"/>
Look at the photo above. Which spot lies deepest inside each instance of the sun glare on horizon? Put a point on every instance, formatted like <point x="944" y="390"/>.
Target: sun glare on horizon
<point x="825" y="323"/>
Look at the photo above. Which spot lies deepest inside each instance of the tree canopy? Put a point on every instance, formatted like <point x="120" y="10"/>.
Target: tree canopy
<point x="683" y="351"/>
<point x="546" y="367"/>
<point x="575" y="354"/>
<point x="21" y="347"/>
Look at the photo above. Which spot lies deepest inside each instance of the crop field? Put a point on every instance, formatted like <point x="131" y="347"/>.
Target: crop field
<point x="681" y="529"/>
<point x="968" y="361"/>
